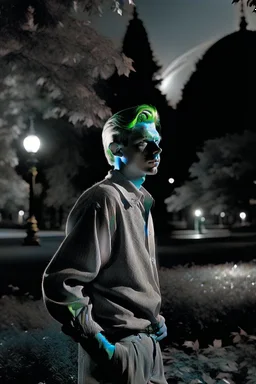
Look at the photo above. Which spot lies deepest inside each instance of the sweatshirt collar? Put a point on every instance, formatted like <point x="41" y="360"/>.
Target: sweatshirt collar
<point x="131" y="193"/>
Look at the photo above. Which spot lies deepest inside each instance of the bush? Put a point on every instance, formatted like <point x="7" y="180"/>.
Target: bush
<point x="38" y="356"/>
<point x="215" y="364"/>
<point x="201" y="304"/>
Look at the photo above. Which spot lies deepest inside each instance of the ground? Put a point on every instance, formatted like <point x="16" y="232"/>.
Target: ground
<point x="204" y="300"/>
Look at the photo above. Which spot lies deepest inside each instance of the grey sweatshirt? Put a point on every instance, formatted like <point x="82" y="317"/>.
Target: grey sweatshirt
<point x="107" y="259"/>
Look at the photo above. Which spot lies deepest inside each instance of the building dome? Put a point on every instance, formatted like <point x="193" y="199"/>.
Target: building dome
<point x="218" y="98"/>
<point x="179" y="72"/>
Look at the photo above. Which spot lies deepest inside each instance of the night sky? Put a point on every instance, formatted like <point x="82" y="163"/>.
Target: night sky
<point x="176" y="26"/>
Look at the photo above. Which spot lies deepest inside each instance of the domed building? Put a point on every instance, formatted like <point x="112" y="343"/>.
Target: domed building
<point x="219" y="96"/>
<point x="180" y="70"/>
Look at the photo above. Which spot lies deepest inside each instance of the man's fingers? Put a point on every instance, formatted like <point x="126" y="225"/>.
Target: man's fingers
<point x="161" y="337"/>
<point x="162" y="332"/>
<point x="162" y="329"/>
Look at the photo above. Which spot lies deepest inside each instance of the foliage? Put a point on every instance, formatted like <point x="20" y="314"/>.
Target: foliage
<point x="65" y="162"/>
<point x="61" y="61"/>
<point x="43" y="353"/>
<point x="13" y="190"/>
<point x="209" y="301"/>
<point x="48" y="357"/>
<point x="222" y="179"/>
<point x="32" y="345"/>
<point x="203" y="302"/>
<point x="250" y="3"/>
<point x="214" y="364"/>
<point x="50" y="61"/>
<point x="22" y="312"/>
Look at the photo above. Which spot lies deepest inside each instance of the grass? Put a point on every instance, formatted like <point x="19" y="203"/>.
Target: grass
<point x="202" y="306"/>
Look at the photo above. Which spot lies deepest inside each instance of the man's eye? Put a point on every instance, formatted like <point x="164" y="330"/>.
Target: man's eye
<point x="141" y="144"/>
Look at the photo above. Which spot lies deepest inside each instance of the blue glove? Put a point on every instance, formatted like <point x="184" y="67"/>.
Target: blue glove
<point x="105" y="344"/>
<point x="82" y="321"/>
<point x="162" y="329"/>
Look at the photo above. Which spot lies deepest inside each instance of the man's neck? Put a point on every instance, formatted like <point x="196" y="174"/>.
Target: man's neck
<point x="136" y="180"/>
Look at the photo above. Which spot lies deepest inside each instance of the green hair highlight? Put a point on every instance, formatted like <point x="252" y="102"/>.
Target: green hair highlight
<point x="145" y="114"/>
<point x="118" y="126"/>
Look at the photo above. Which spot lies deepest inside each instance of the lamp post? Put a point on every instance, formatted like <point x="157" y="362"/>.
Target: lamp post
<point x="197" y="221"/>
<point x="221" y="219"/>
<point x="31" y="144"/>
<point x="242" y="216"/>
<point x="20" y="216"/>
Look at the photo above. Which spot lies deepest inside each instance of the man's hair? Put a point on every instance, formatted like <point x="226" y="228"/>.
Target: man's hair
<point x="119" y="126"/>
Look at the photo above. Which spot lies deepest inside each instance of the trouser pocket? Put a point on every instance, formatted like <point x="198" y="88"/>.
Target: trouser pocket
<point x="132" y="361"/>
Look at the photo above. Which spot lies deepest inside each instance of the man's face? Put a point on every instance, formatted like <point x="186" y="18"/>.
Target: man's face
<point x="142" y="153"/>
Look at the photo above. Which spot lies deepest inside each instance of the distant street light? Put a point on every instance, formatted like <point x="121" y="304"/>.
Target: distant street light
<point x="221" y="218"/>
<point x="242" y="217"/>
<point x="20" y="216"/>
<point x="31" y="144"/>
<point x="198" y="212"/>
<point x="198" y="220"/>
<point x="171" y="180"/>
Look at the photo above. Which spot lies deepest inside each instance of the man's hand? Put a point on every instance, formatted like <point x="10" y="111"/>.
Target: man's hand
<point x="162" y="329"/>
<point x="105" y="344"/>
<point x="79" y="328"/>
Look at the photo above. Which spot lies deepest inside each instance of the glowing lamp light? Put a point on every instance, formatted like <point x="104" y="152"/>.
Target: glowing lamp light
<point x="242" y="215"/>
<point x="171" y="180"/>
<point x="31" y="143"/>
<point x="21" y="213"/>
<point x="198" y="213"/>
<point x="222" y="214"/>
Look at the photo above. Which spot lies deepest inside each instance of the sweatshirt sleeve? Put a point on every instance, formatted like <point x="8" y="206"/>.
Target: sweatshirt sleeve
<point x="77" y="262"/>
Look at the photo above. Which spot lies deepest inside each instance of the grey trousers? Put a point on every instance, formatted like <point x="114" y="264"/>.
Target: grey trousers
<point x="137" y="360"/>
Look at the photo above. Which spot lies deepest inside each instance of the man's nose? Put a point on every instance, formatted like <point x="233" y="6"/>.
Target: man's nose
<point x="157" y="149"/>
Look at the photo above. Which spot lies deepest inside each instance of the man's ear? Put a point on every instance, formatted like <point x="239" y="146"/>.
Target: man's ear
<point x="116" y="149"/>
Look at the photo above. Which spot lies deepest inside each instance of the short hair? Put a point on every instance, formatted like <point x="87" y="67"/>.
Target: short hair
<point x="119" y="126"/>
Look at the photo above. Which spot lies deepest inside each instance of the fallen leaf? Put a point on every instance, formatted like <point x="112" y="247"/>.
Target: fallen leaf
<point x="242" y="332"/>
<point x="196" y="345"/>
<point x="236" y="339"/>
<point x="208" y="379"/>
<point x="217" y="343"/>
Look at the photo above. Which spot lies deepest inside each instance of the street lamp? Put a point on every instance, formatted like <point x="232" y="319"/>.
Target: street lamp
<point x="221" y="219"/>
<point x="31" y="144"/>
<point x="242" y="217"/>
<point x="171" y="180"/>
<point x="20" y="216"/>
<point x="198" y="221"/>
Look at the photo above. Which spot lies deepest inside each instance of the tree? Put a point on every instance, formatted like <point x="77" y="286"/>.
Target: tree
<point x="61" y="60"/>
<point x="222" y="179"/>
<point x="50" y="62"/>
<point x="250" y="3"/>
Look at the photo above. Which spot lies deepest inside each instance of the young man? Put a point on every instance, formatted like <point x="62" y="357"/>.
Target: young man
<point x="102" y="283"/>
